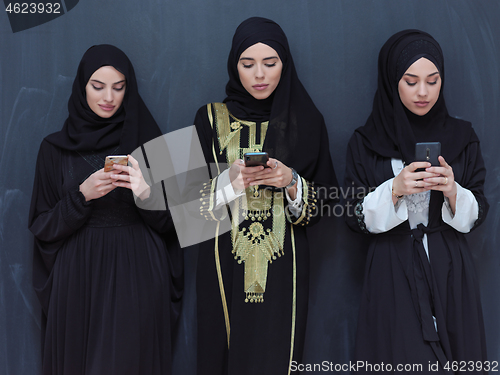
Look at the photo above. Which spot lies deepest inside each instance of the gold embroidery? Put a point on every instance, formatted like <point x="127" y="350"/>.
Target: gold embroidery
<point x="294" y="297"/>
<point x="216" y="249"/>
<point x="309" y="207"/>
<point x="210" y="118"/>
<point x="221" y="285"/>
<point x="254" y="245"/>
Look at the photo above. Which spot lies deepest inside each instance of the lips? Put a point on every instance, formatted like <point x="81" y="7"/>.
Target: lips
<point x="421" y="104"/>
<point x="106" y="107"/>
<point x="260" y="86"/>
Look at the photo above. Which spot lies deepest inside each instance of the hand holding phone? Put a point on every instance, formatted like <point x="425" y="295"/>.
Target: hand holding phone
<point x="114" y="159"/>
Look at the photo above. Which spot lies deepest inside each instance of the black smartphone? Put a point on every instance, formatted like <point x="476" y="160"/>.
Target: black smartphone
<point x="428" y="151"/>
<point x="254" y="159"/>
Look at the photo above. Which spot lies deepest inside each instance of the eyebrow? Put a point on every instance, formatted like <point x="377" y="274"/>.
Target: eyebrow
<point x="252" y="59"/>
<point x="415" y="76"/>
<point x="102" y="83"/>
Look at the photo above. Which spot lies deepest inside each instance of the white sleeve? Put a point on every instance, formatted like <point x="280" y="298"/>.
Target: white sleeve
<point x="381" y="215"/>
<point x="225" y="192"/>
<point x="295" y="206"/>
<point x="466" y="211"/>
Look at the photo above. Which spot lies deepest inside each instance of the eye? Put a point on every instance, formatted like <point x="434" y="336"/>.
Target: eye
<point x="411" y="83"/>
<point x="97" y="88"/>
<point x="271" y="65"/>
<point x="432" y="83"/>
<point x="119" y="88"/>
<point x="247" y="66"/>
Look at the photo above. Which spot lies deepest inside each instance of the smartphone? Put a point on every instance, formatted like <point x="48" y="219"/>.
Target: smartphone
<point x="114" y="159"/>
<point x="254" y="159"/>
<point x="428" y="151"/>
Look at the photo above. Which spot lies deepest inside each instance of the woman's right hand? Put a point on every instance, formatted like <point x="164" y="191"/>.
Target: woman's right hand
<point x="410" y="182"/>
<point x="239" y="174"/>
<point x="98" y="184"/>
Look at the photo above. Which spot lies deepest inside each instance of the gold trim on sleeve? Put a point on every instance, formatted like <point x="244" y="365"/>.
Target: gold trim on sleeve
<point x="309" y="206"/>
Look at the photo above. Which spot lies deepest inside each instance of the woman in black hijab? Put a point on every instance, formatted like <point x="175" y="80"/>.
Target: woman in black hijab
<point x="101" y="267"/>
<point x="252" y="295"/>
<point x="420" y="303"/>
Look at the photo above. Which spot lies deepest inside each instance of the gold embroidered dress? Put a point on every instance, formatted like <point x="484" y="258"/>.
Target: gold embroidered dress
<point x="251" y="281"/>
<point x="258" y="217"/>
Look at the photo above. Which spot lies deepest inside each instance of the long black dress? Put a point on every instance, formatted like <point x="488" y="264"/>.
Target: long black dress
<point x="107" y="274"/>
<point x="265" y="337"/>
<point x="108" y="291"/>
<point x="252" y="282"/>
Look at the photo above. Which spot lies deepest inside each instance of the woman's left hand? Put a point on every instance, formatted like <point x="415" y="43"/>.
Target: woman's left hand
<point x="132" y="179"/>
<point x="277" y="175"/>
<point x="446" y="180"/>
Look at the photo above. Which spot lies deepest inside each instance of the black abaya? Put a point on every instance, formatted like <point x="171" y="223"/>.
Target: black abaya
<point x="404" y="289"/>
<point x="264" y="337"/>
<point x="105" y="276"/>
<point x="389" y="325"/>
<point x="263" y="329"/>
<point x="106" y="299"/>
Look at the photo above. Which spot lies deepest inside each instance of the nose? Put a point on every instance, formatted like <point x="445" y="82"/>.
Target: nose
<point x="108" y="95"/>
<point x="422" y="90"/>
<point x="259" y="72"/>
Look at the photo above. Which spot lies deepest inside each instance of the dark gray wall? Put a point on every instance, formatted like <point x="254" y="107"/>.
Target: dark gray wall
<point x="179" y="50"/>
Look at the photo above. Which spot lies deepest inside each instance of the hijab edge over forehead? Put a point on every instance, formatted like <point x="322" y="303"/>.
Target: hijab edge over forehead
<point x="391" y="129"/>
<point x="84" y="130"/>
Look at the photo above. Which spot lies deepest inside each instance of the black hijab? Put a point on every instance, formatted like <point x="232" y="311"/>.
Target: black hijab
<point x="131" y="125"/>
<point x="392" y="130"/>
<point x="295" y="124"/>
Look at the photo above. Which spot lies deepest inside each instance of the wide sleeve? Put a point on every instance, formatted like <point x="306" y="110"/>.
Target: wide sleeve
<point x="380" y="213"/>
<point x="214" y="193"/>
<point x="358" y="184"/>
<point x="466" y="210"/>
<point x="154" y="210"/>
<point x="53" y="216"/>
<point x="473" y="179"/>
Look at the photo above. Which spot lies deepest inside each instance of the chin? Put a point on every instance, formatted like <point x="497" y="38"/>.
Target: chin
<point x="261" y="96"/>
<point x="106" y="114"/>
<point x="421" y="112"/>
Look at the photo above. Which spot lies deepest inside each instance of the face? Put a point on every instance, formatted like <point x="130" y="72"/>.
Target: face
<point x="105" y="91"/>
<point x="420" y="86"/>
<point x="259" y="68"/>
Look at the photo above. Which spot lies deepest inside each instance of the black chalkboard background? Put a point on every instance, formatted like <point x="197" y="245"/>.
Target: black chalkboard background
<point x="179" y="50"/>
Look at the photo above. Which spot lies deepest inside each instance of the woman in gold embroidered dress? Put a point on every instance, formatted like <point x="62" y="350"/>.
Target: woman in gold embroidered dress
<point x="252" y="282"/>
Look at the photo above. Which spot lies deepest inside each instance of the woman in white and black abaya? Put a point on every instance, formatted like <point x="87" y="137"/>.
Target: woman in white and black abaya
<point x="420" y="304"/>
